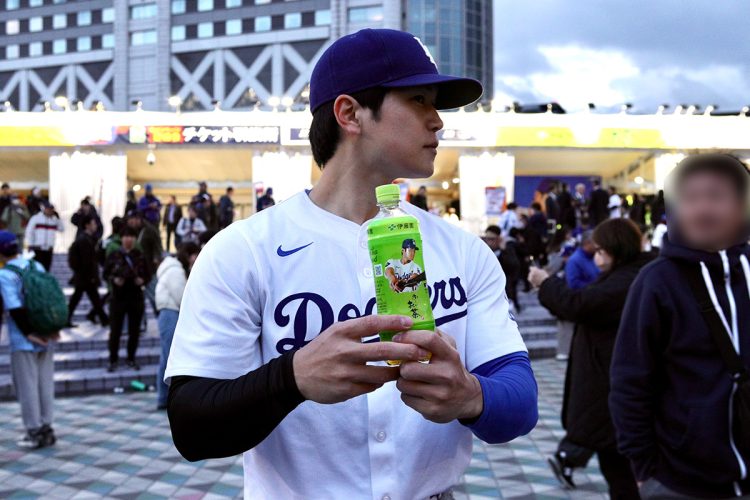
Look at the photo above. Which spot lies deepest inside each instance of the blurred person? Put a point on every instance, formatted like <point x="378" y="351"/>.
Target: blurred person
<point x="517" y="241"/>
<point x="252" y="379"/>
<point x="149" y="244"/>
<point x="6" y="196"/>
<point x="41" y="232"/>
<point x="637" y="211"/>
<point x="596" y="310"/>
<point x="171" y="280"/>
<point x="14" y="217"/>
<point x="190" y="227"/>
<point x="131" y="205"/>
<point x="677" y="396"/>
<point x="659" y="232"/>
<point x="86" y="208"/>
<point x="32" y="362"/>
<point x="509" y="219"/>
<point x="658" y="208"/>
<point x="127" y="272"/>
<point x="205" y="237"/>
<point x="419" y="200"/>
<point x="202" y="202"/>
<point x="265" y="201"/>
<point x="598" y="205"/>
<point x="615" y="203"/>
<point x="82" y="259"/>
<point x="172" y="216"/>
<point x="508" y="262"/>
<point x="34" y="202"/>
<point x="560" y="247"/>
<point x="551" y="205"/>
<point x="567" y="211"/>
<point x="226" y="208"/>
<point x="536" y="233"/>
<point x="150" y="206"/>
<point x="580" y="205"/>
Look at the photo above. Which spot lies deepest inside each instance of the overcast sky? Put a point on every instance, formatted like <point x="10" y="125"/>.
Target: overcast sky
<point x="647" y="52"/>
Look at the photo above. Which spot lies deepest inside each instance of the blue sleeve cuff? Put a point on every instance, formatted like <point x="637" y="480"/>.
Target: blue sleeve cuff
<point x="510" y="392"/>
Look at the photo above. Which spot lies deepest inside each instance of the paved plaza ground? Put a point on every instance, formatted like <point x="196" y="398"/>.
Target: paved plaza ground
<point x="117" y="446"/>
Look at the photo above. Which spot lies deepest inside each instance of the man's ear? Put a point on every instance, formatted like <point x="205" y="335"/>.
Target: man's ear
<point x="345" y="110"/>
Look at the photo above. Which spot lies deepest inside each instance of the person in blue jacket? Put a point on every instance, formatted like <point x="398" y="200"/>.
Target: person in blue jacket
<point x="581" y="270"/>
<point x="672" y="396"/>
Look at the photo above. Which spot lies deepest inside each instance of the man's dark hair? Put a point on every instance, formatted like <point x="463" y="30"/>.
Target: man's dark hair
<point x="514" y="232"/>
<point x="596" y="183"/>
<point x="512" y="205"/>
<point x="493" y="229"/>
<point x="230" y="189"/>
<point x="536" y="206"/>
<point x="5" y="186"/>
<point x="620" y="238"/>
<point x="612" y="189"/>
<point x="720" y="164"/>
<point x="325" y="132"/>
<point x="128" y="231"/>
<point x="205" y="237"/>
<point x="117" y="223"/>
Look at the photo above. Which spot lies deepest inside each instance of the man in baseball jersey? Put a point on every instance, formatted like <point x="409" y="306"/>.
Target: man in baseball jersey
<point x="274" y="358"/>
<point x="401" y="271"/>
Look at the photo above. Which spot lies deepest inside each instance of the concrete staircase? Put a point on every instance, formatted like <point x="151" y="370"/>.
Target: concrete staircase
<point x="81" y="356"/>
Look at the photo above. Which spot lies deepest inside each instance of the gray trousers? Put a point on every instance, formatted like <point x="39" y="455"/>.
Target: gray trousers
<point x="33" y="379"/>
<point x="564" y="336"/>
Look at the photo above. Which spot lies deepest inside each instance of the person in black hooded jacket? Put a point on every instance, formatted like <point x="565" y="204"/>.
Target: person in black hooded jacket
<point x="596" y="311"/>
<point x="671" y="397"/>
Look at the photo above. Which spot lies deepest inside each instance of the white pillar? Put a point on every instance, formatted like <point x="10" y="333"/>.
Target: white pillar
<point x="478" y="172"/>
<point x="663" y="165"/>
<point x="286" y="174"/>
<point x="74" y="176"/>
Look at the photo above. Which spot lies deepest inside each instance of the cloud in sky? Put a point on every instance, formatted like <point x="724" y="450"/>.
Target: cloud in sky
<point x="641" y="51"/>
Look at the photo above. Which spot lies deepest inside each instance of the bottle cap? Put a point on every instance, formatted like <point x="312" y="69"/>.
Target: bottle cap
<point x="387" y="193"/>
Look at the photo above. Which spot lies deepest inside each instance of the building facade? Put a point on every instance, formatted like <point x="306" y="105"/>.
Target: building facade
<point x="232" y="53"/>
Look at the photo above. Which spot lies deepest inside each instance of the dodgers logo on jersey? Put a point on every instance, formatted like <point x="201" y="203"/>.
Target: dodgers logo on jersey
<point x="426" y="51"/>
<point x="445" y="296"/>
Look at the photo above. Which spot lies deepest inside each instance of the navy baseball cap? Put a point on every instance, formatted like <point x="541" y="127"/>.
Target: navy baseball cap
<point x="384" y="58"/>
<point x="409" y="243"/>
<point x="8" y="243"/>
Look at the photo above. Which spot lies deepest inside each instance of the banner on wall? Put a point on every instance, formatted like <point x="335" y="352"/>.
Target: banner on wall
<point x="494" y="200"/>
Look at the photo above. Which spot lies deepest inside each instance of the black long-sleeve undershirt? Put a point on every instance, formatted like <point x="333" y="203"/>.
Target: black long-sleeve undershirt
<point x="212" y="418"/>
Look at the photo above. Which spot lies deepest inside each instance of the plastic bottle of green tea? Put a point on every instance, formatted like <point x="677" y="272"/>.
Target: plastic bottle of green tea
<point x="395" y="246"/>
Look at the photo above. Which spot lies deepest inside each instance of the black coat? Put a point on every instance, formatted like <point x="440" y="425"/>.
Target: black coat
<point x="83" y="261"/>
<point x="596" y="311"/>
<point x="598" y="207"/>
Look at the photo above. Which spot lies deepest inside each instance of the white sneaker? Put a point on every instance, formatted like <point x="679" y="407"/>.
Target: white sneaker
<point x="561" y="357"/>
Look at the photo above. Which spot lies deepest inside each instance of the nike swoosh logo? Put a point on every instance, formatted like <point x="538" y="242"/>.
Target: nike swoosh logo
<point x="286" y="253"/>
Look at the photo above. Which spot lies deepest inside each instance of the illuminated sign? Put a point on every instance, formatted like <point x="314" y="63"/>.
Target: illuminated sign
<point x="231" y="135"/>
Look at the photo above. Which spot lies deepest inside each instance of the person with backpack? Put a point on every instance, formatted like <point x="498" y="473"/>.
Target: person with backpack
<point x="127" y="272"/>
<point x="82" y="258"/>
<point x="190" y="227"/>
<point x="36" y="311"/>
<point x="172" y="277"/>
<point x="680" y="397"/>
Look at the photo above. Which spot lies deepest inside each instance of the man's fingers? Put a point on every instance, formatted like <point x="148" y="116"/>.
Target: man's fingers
<point x="418" y="389"/>
<point x="375" y="375"/>
<point x="384" y="351"/>
<point x="370" y="325"/>
<point x="427" y="340"/>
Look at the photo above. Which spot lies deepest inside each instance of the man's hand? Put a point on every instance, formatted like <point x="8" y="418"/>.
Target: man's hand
<point x="333" y="367"/>
<point x="537" y="277"/>
<point x="43" y="341"/>
<point x="139" y="282"/>
<point x="118" y="281"/>
<point x="442" y="390"/>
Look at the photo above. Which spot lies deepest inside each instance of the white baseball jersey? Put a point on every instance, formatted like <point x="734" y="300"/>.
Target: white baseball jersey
<point x="264" y="286"/>
<point x="404" y="271"/>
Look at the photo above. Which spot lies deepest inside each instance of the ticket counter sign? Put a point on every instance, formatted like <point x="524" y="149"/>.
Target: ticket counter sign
<point x="617" y="138"/>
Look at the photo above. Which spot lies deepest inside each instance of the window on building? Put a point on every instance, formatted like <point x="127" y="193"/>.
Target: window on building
<point x="178" y="6"/>
<point x="12" y="51"/>
<point x="35" y="49"/>
<point x="59" y="46"/>
<point x="83" y="43"/>
<point x="205" y="5"/>
<point x="233" y="27"/>
<point x="108" y="41"/>
<point x="371" y="14"/>
<point x="144" y="11"/>
<point x="145" y="37"/>
<point x="322" y="17"/>
<point x="205" y="30"/>
<point x="178" y="33"/>
<point x="35" y="24"/>
<point x="12" y="27"/>
<point x="84" y="18"/>
<point x="233" y="3"/>
<point x="292" y="20"/>
<point x="263" y="23"/>
<point x="108" y="15"/>
<point x="59" y="21"/>
<point x="11" y="5"/>
<point x="36" y="3"/>
<point x="259" y="2"/>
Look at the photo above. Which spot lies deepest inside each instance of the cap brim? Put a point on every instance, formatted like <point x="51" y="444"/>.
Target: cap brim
<point x="453" y="91"/>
